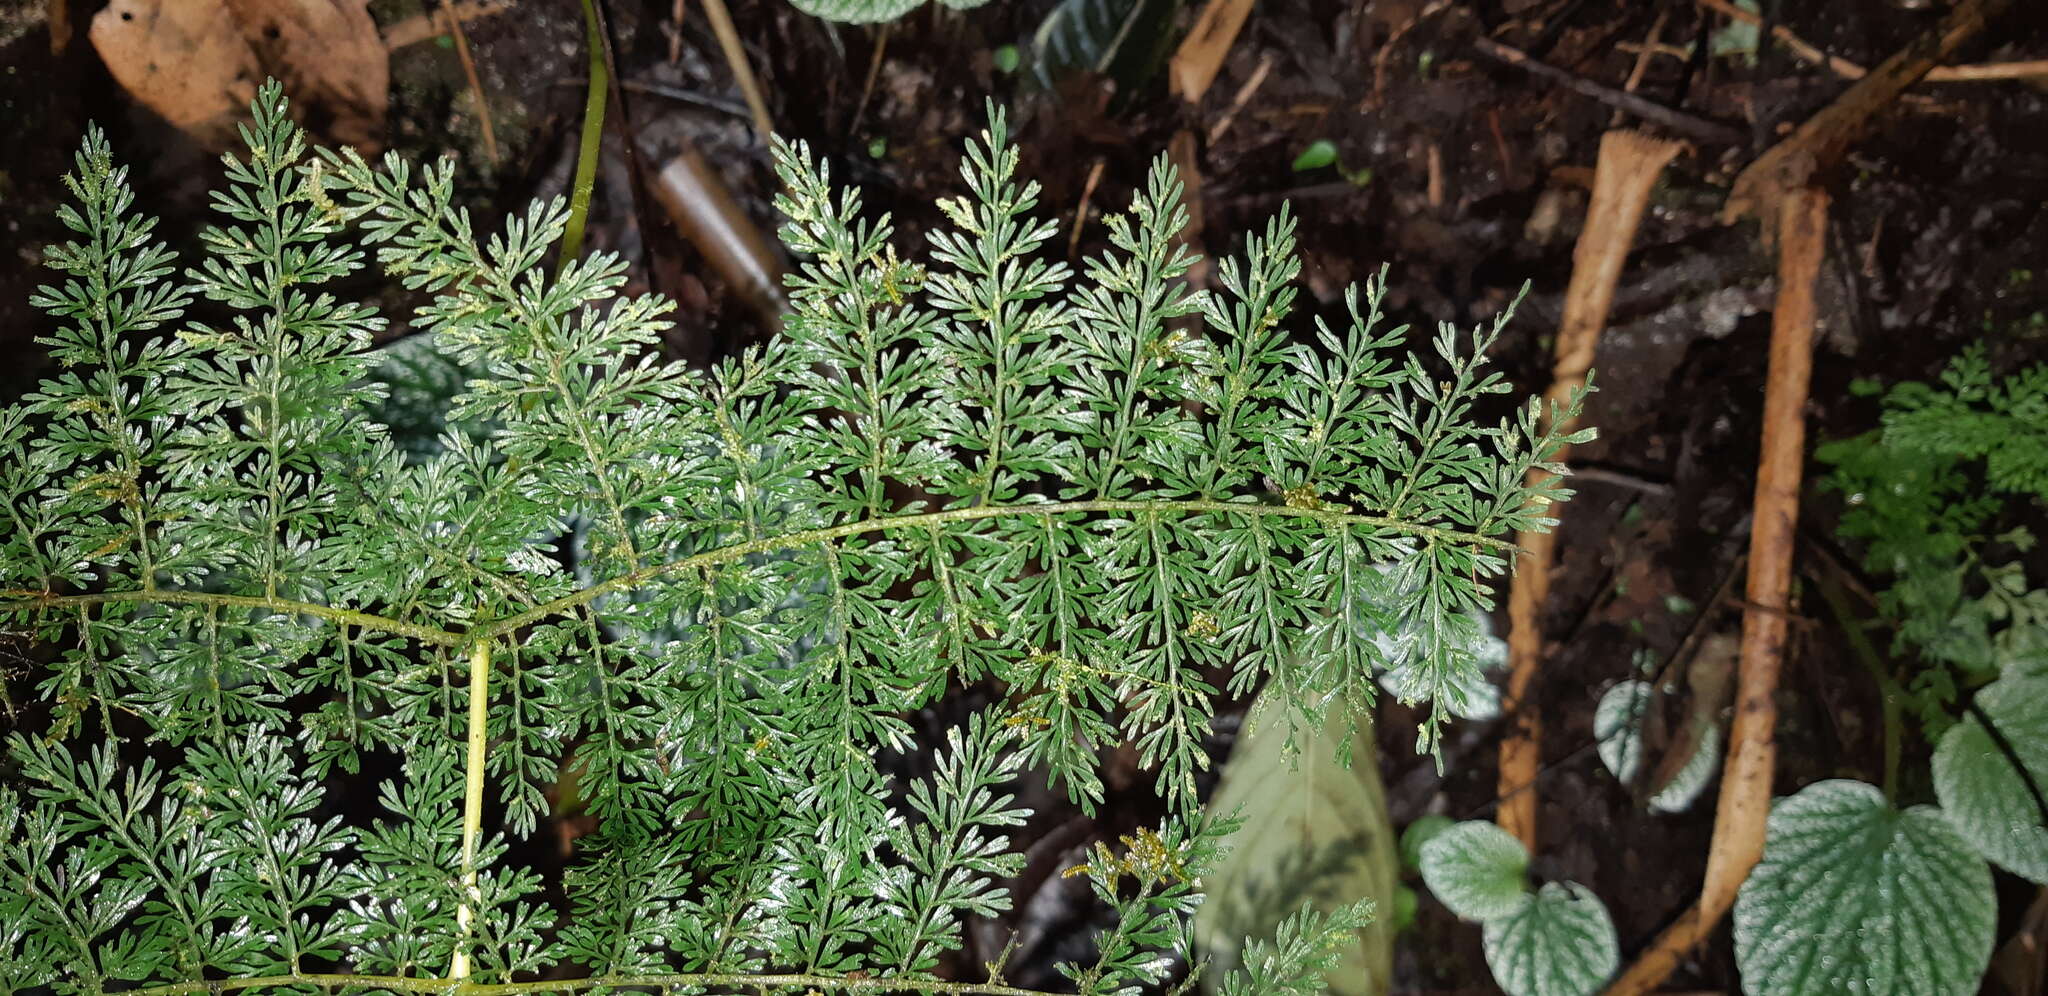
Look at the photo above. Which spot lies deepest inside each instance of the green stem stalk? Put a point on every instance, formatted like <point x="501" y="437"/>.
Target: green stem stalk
<point x="593" y="134"/>
<point x="1887" y="687"/>
<point x="473" y="800"/>
<point x="492" y="629"/>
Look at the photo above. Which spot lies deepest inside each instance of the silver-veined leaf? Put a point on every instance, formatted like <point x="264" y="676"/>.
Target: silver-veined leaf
<point x="1559" y="943"/>
<point x="1477" y="869"/>
<point x="1853" y="895"/>
<point x="1982" y="792"/>
<point x="857" y="11"/>
<point x="1618" y="727"/>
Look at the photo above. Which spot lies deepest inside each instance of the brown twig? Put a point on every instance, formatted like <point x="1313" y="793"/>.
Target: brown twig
<point x="1081" y="212"/>
<point x="1201" y="53"/>
<point x="1800" y="47"/>
<point x="59" y="14"/>
<point x="1386" y="51"/>
<point x="476" y="86"/>
<point x="1434" y="189"/>
<point x="1244" y="93"/>
<point x="1629" y="165"/>
<point x="1745" y="800"/>
<point x="1679" y="121"/>
<point x="1989" y="71"/>
<point x="742" y="71"/>
<point x="423" y="27"/>
<point x="1797" y="45"/>
<point x="675" y="31"/>
<point x="1635" y="73"/>
<point x="867" y="86"/>
<point x="1822" y="140"/>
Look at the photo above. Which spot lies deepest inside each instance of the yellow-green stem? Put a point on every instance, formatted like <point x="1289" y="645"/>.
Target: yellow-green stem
<point x="473" y="800"/>
<point x="705" y="980"/>
<point x="507" y="625"/>
<point x="593" y="132"/>
<point x="1887" y="687"/>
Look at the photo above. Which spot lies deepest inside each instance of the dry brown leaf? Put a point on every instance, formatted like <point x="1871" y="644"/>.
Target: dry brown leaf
<point x="185" y="60"/>
<point x="198" y="62"/>
<point x="1199" y="57"/>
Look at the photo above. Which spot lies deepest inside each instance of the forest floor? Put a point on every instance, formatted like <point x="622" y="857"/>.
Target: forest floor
<point x="1465" y="178"/>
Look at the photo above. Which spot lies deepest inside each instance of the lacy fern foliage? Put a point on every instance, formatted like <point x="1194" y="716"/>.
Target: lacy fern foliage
<point x="312" y="679"/>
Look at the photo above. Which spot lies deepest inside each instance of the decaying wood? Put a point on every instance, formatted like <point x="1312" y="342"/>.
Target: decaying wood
<point x="1201" y="54"/>
<point x="1628" y="167"/>
<point x="1822" y="140"/>
<point x="1745" y="799"/>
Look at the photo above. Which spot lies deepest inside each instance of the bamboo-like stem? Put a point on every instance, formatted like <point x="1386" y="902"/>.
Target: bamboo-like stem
<point x="591" y="140"/>
<point x="492" y="629"/>
<point x="473" y="800"/>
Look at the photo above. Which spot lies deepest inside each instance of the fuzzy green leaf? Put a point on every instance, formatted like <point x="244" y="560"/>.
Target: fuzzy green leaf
<point x="1477" y="870"/>
<point x="1988" y="800"/>
<point x="1560" y="942"/>
<point x="1618" y="728"/>
<point x="1853" y="895"/>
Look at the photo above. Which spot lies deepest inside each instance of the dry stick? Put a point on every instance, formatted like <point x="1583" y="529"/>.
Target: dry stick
<point x="476" y="86"/>
<point x="1081" y="212"/>
<point x="742" y="72"/>
<point x="1386" y="52"/>
<point x="1629" y="165"/>
<point x="1635" y="73"/>
<point x="1679" y="121"/>
<point x="1823" y="139"/>
<point x="675" y="35"/>
<point x="1244" y="93"/>
<point x="1201" y="54"/>
<point x="421" y="27"/>
<point x="1849" y="70"/>
<point x="1745" y="801"/>
<point x="867" y="87"/>
<point x="60" y="25"/>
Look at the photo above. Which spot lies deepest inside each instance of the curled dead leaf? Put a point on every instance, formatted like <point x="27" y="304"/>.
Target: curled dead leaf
<point x="198" y="62"/>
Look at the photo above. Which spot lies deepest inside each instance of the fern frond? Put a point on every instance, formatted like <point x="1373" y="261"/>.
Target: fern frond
<point x="694" y="611"/>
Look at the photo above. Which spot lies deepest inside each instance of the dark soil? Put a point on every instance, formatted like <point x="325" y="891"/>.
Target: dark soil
<point x="1465" y="179"/>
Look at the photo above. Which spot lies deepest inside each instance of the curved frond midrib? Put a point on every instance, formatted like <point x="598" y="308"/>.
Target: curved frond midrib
<point x="627" y="583"/>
